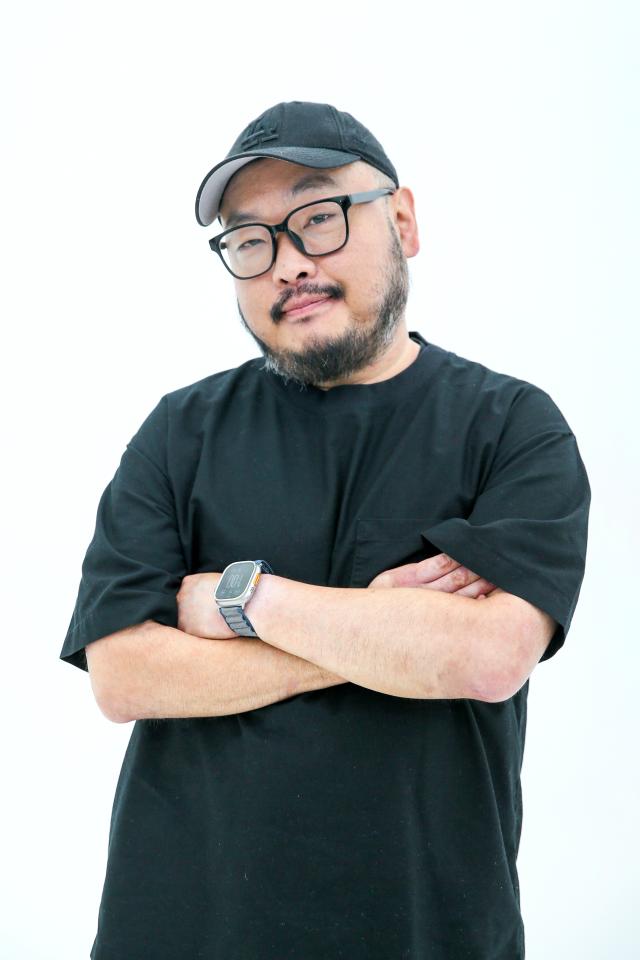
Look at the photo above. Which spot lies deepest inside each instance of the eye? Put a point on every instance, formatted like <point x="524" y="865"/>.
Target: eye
<point x="236" y="245"/>
<point x="319" y="218"/>
<point x="250" y="243"/>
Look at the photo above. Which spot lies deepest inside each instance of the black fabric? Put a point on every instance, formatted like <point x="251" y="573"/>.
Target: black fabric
<point x="339" y="823"/>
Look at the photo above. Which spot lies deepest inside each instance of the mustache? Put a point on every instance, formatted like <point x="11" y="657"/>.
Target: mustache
<point x="334" y="292"/>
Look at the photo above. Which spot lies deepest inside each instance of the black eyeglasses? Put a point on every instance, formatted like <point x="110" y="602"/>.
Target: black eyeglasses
<point x="316" y="229"/>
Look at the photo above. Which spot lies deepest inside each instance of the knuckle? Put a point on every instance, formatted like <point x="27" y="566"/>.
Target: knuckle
<point x="460" y="576"/>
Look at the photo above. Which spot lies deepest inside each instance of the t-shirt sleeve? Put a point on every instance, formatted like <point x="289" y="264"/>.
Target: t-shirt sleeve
<point x="134" y="564"/>
<point x="527" y="530"/>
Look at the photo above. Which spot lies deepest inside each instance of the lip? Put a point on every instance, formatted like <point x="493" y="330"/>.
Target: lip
<point x="308" y="307"/>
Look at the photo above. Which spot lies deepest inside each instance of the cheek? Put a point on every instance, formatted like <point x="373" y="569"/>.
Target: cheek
<point x="364" y="275"/>
<point x="365" y="261"/>
<point x="253" y="302"/>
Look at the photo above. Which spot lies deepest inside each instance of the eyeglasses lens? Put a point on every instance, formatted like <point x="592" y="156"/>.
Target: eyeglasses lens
<point x="321" y="227"/>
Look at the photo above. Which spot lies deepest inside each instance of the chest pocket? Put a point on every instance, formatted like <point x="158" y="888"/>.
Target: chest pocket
<point x="385" y="542"/>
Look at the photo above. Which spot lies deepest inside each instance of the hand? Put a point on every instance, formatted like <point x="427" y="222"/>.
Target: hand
<point x="437" y="573"/>
<point x="198" y="612"/>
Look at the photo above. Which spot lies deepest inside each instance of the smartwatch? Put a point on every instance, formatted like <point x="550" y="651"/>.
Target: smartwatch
<point x="234" y="590"/>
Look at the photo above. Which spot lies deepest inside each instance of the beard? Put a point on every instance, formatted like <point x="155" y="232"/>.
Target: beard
<point x="325" y="360"/>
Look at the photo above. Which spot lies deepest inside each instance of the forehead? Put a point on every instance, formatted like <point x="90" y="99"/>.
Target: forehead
<point x="265" y="182"/>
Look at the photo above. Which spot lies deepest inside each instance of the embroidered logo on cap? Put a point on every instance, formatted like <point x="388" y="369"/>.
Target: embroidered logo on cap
<point x="259" y="133"/>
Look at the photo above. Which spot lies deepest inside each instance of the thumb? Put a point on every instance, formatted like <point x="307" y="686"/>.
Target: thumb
<point x="404" y="576"/>
<point x="382" y="580"/>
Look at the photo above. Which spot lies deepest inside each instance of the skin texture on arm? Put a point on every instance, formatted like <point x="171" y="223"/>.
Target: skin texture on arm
<point x="420" y="643"/>
<point x="404" y="642"/>
<point x="153" y="671"/>
<point x="204" y="669"/>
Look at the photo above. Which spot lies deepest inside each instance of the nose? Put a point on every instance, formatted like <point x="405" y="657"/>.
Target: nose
<point x="291" y="263"/>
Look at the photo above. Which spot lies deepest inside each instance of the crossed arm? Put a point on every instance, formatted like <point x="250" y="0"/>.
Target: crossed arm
<point x="435" y="642"/>
<point x="407" y="642"/>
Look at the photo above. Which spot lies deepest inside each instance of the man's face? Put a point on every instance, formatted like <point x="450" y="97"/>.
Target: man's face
<point x="363" y="287"/>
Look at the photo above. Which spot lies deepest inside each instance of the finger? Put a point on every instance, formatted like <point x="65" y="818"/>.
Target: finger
<point x="403" y="576"/>
<point x="418" y="574"/>
<point x="477" y="588"/>
<point x="432" y="569"/>
<point x="453" y="582"/>
<point x="440" y="572"/>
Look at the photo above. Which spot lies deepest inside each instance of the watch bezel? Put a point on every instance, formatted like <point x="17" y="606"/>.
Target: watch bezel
<point x="246" y="592"/>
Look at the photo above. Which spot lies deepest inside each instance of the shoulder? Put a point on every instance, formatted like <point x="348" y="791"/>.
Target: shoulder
<point x="197" y="407"/>
<point x="212" y="389"/>
<point x="480" y="393"/>
<point x="181" y="417"/>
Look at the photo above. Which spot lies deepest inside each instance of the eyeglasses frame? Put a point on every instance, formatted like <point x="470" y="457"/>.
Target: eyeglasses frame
<point x="345" y="201"/>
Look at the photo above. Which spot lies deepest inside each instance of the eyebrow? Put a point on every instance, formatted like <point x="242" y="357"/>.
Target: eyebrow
<point x="309" y="182"/>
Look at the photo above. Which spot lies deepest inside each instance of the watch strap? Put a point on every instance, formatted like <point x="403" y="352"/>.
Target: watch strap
<point x="239" y="622"/>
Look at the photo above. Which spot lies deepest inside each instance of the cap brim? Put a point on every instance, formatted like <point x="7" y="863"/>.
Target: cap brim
<point x="213" y="185"/>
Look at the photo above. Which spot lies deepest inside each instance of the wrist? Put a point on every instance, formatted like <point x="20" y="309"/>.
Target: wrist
<point x="261" y="609"/>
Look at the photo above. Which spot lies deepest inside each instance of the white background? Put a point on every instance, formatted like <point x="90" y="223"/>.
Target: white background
<point x="516" y="126"/>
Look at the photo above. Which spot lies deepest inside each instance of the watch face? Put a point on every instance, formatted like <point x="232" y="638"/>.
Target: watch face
<point x="235" y="580"/>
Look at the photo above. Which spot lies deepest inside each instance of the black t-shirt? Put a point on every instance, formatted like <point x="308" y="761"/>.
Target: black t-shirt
<point x="342" y="822"/>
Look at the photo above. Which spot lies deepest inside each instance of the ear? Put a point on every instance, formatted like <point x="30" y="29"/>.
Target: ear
<point x="403" y="216"/>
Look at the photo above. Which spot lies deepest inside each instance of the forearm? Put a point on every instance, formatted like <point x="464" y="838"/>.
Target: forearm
<point x="156" y="671"/>
<point x="406" y="641"/>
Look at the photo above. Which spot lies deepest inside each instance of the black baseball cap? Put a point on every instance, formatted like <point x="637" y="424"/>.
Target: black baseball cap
<point x="312" y="134"/>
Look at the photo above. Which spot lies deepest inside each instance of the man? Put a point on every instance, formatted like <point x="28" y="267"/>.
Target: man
<point x="326" y="756"/>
